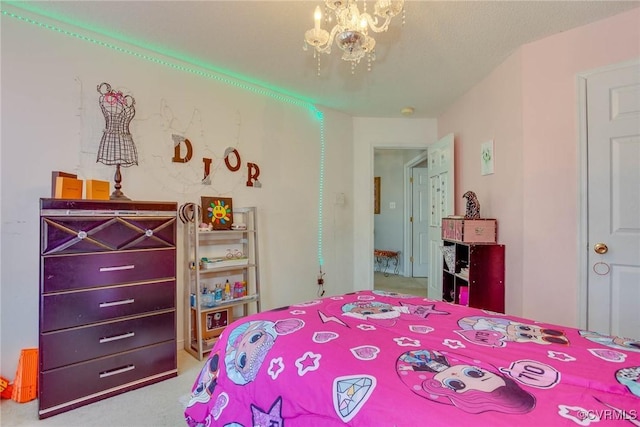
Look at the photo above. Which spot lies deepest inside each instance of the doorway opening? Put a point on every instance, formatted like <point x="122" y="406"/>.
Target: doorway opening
<point x="398" y="227"/>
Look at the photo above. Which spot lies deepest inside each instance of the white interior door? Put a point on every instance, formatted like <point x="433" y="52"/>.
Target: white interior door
<point x="441" y="203"/>
<point x="420" y="222"/>
<point x="613" y="147"/>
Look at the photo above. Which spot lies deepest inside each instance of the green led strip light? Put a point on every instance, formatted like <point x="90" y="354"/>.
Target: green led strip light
<point x="220" y="77"/>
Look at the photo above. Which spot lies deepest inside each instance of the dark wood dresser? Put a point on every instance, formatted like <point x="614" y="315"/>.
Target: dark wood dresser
<point x="107" y="299"/>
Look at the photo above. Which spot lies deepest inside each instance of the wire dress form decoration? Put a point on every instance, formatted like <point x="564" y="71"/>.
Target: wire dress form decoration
<point x="116" y="146"/>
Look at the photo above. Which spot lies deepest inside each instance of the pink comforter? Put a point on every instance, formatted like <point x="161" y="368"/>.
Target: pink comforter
<point x="381" y="359"/>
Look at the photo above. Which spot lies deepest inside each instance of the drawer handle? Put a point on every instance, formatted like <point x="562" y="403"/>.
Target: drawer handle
<point x="121" y="302"/>
<point x="118" y="268"/>
<point x="117" y="337"/>
<point x="117" y="371"/>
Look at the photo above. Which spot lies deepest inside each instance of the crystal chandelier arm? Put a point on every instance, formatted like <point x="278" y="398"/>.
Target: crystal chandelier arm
<point x="388" y="8"/>
<point x="373" y="22"/>
<point x="327" y="47"/>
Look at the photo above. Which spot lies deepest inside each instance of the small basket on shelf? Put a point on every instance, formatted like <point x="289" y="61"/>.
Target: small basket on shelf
<point x="449" y="257"/>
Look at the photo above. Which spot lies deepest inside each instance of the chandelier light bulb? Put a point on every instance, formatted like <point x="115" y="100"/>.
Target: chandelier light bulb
<point x="317" y="16"/>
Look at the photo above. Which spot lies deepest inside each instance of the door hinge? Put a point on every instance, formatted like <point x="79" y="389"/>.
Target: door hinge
<point x="411" y="259"/>
<point x="411" y="180"/>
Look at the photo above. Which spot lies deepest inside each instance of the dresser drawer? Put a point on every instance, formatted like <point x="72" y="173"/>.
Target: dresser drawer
<point x="68" y="235"/>
<point x="79" y="344"/>
<point x="60" y="311"/>
<point x="67" y="272"/>
<point x="84" y="379"/>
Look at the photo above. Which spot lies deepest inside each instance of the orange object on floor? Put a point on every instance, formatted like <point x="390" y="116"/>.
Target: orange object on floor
<point x="5" y="388"/>
<point x="25" y="387"/>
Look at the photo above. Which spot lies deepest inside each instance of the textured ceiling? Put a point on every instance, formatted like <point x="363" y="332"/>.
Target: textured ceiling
<point x="443" y="49"/>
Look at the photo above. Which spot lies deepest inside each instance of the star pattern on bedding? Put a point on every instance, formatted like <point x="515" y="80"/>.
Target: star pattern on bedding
<point x="423" y="310"/>
<point x="559" y="355"/>
<point x="270" y="418"/>
<point x="577" y="414"/>
<point x="275" y="367"/>
<point x="453" y="344"/>
<point x="407" y="342"/>
<point x="308" y="362"/>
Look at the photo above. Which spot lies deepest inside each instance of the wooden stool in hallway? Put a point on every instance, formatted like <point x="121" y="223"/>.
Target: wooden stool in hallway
<point x="384" y="258"/>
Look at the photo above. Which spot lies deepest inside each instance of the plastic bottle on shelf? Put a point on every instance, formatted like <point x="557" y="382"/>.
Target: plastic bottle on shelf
<point x="218" y="294"/>
<point x="227" y="290"/>
<point x="207" y="298"/>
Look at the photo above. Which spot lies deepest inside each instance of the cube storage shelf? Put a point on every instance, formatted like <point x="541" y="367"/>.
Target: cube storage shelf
<point x="473" y="273"/>
<point x="208" y="266"/>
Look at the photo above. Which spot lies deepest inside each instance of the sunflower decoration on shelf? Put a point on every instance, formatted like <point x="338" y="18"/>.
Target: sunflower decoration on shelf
<point x="218" y="212"/>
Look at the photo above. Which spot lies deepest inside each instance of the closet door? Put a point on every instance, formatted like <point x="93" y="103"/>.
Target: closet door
<point x="613" y="146"/>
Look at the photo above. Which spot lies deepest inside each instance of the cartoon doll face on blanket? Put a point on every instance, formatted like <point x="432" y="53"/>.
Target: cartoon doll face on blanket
<point x="249" y="343"/>
<point x="630" y="377"/>
<point x="496" y="330"/>
<point x="385" y="314"/>
<point x="371" y="310"/>
<point x="458" y="381"/>
<point x="519" y="332"/>
<point x="619" y="343"/>
<point x="207" y="381"/>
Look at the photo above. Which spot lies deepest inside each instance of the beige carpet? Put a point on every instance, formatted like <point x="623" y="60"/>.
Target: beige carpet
<point x="400" y="284"/>
<point x="157" y="405"/>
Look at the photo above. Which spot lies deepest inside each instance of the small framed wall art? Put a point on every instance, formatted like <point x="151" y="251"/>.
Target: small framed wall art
<point x="376" y="195"/>
<point x="217" y="211"/>
<point x="486" y="158"/>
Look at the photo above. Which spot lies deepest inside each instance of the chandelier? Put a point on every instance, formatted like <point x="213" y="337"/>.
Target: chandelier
<point x="351" y="29"/>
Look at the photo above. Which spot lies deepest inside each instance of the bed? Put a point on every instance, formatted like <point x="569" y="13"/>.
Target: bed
<point x="374" y="358"/>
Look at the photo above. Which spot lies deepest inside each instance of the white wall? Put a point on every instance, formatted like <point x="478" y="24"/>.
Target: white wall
<point x="529" y="106"/>
<point x="492" y="110"/>
<point x="551" y="159"/>
<point x="51" y="121"/>
<point x="368" y="134"/>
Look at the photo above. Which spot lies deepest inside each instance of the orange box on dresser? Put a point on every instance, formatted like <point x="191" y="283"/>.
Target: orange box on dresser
<point x="97" y="190"/>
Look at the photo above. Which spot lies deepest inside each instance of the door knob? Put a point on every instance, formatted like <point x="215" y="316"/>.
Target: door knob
<point x="600" y="248"/>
